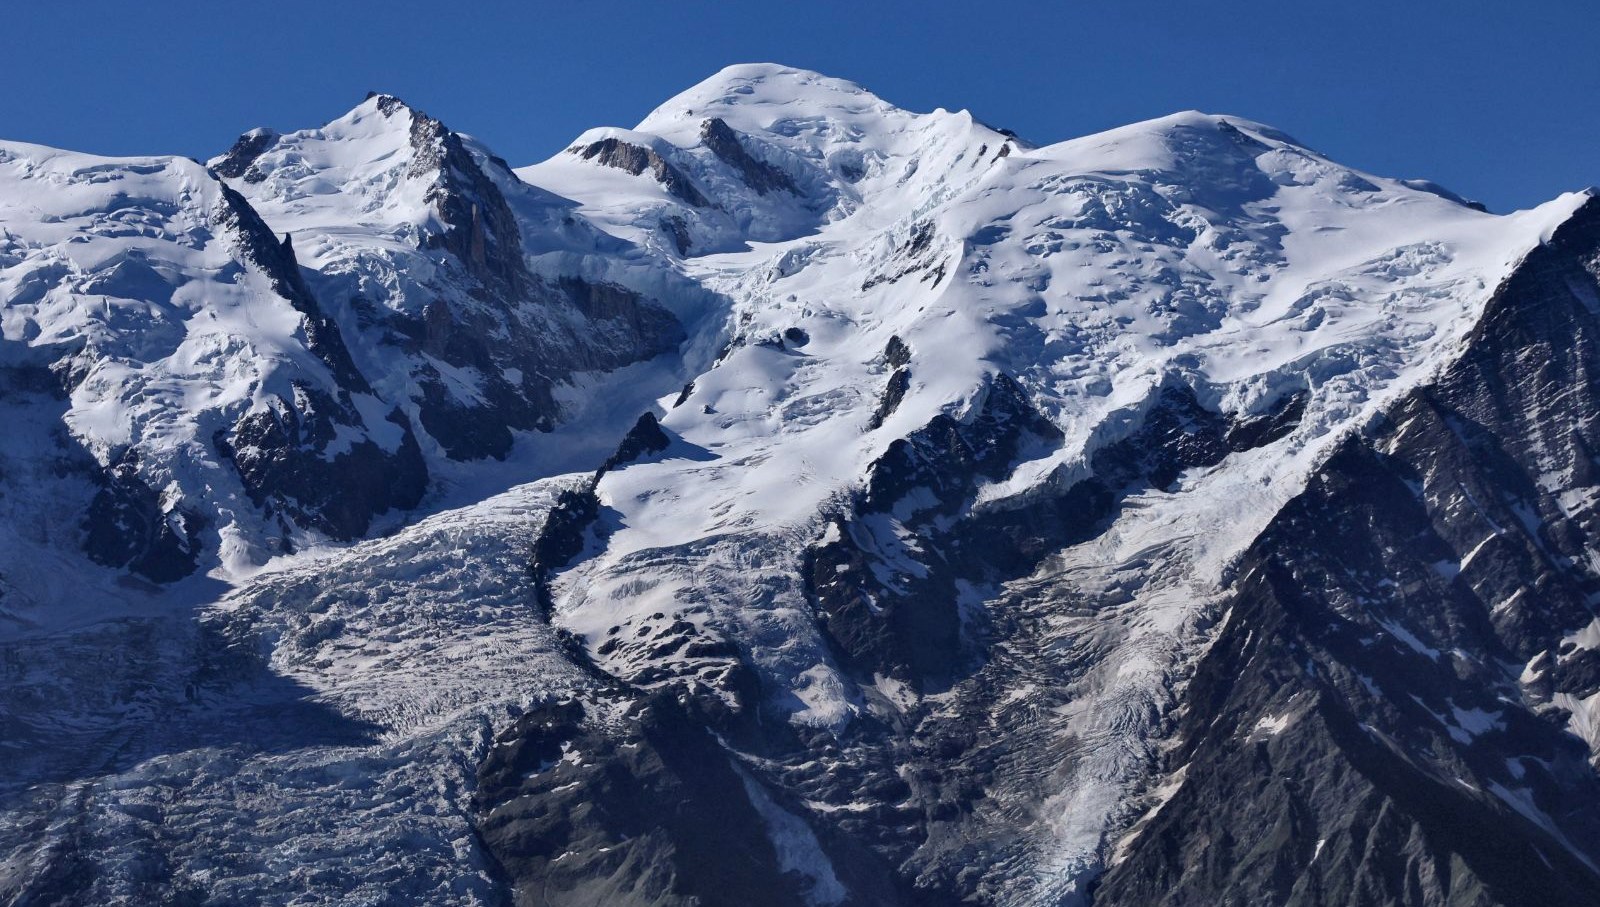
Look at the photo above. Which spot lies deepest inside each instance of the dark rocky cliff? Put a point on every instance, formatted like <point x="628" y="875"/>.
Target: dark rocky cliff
<point x="1376" y="723"/>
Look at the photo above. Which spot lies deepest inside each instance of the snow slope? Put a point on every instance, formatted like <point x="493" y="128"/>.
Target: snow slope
<point x="1195" y="251"/>
<point x="204" y="390"/>
<point x="1202" y="250"/>
<point x="472" y="299"/>
<point x="158" y="303"/>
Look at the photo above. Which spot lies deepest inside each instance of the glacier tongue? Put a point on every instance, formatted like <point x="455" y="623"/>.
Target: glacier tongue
<point x="314" y="735"/>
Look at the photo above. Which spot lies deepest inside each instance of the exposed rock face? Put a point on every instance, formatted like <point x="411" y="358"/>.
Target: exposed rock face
<point x="645" y="438"/>
<point x="636" y="159"/>
<point x="893" y="392"/>
<point x="891" y="606"/>
<point x="758" y="174"/>
<point x="288" y="452"/>
<point x="288" y="456"/>
<point x="171" y="317"/>
<point x="127" y="526"/>
<point x="1357" y="718"/>
<point x="896" y="353"/>
<point x="464" y="321"/>
<point x="479" y="229"/>
<point x="619" y="325"/>
<point x="675" y="820"/>
<point x="236" y="163"/>
<point x="223" y="370"/>
<point x="1383" y="717"/>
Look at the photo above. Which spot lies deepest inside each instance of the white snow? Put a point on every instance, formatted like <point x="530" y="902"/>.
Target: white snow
<point x="1273" y="725"/>
<point x="1208" y="248"/>
<point x="131" y="261"/>
<point x="797" y="847"/>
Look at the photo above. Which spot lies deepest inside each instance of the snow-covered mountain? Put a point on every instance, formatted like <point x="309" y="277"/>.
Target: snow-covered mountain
<point x="1171" y="515"/>
<point x="475" y="297"/>
<point x="221" y="394"/>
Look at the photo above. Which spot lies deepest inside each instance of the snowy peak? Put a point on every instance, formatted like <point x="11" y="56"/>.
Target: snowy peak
<point x="1191" y="135"/>
<point x="752" y="96"/>
<point x="472" y="297"/>
<point x="1192" y="270"/>
<point x="277" y="350"/>
<point x="152" y="239"/>
<point x="1069" y="384"/>
<point x="766" y="153"/>
<point x="805" y="113"/>
<point x="195" y="368"/>
<point x="235" y="163"/>
<point x="1201" y="154"/>
<point x="998" y="524"/>
<point x="388" y="176"/>
<point x="383" y="159"/>
<point x="1214" y="156"/>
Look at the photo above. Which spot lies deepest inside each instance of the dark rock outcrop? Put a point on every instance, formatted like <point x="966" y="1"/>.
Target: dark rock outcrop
<point x="1377" y="722"/>
<point x="128" y="526"/>
<point x="651" y="809"/>
<point x="636" y="159"/>
<point x="896" y="353"/>
<point x="909" y="625"/>
<point x="893" y="392"/>
<point x="917" y="255"/>
<point x="481" y="231"/>
<point x="258" y="245"/>
<point x="520" y="334"/>
<point x="239" y="158"/>
<point x="643" y="439"/>
<point x="561" y="538"/>
<point x="289" y="459"/>
<point x="759" y="175"/>
<point x="521" y="349"/>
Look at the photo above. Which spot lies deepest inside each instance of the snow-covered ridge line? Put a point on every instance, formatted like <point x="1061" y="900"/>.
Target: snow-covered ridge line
<point x="1195" y="251"/>
<point x="239" y="395"/>
<point x="946" y="450"/>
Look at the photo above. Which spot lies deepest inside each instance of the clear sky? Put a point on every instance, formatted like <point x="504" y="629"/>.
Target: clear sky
<point x="1497" y="100"/>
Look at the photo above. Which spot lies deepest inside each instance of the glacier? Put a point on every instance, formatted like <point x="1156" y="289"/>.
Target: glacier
<point x="792" y="499"/>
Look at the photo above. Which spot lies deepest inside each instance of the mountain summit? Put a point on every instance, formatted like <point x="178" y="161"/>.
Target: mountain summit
<point x="793" y="499"/>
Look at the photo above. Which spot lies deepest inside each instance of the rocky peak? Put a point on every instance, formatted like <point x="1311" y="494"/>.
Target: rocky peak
<point x="611" y="151"/>
<point x="757" y="174"/>
<point x="235" y="163"/>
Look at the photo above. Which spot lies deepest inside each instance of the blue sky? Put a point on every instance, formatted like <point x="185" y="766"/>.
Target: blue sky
<point x="1498" y="101"/>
